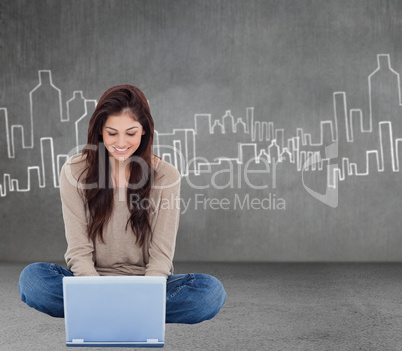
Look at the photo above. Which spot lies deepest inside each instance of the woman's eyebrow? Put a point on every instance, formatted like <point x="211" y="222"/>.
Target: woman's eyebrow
<point x="126" y="129"/>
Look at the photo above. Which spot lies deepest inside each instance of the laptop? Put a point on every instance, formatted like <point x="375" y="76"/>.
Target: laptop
<point x="115" y="311"/>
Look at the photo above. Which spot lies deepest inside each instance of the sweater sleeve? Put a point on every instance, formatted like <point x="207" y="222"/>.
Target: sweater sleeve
<point x="162" y="245"/>
<point x="79" y="254"/>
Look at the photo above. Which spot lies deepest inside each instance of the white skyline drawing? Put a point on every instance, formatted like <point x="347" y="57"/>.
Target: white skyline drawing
<point x="256" y="140"/>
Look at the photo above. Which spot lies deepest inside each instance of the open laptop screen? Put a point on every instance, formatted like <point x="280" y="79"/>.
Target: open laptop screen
<point x="115" y="311"/>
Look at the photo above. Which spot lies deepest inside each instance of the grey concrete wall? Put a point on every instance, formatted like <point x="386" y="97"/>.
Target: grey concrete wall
<point x="305" y="92"/>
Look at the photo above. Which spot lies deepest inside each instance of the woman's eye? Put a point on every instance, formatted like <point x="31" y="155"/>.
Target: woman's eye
<point x="116" y="134"/>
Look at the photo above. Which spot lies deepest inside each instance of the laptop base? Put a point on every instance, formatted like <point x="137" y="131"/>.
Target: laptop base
<point x="115" y="344"/>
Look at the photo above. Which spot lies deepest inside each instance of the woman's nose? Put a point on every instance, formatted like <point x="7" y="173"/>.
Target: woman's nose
<point x="122" y="141"/>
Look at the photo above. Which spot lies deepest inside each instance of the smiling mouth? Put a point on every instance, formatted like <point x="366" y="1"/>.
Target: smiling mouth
<point x="120" y="150"/>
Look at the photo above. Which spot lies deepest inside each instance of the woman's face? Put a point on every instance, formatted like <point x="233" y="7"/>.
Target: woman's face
<point x="122" y="136"/>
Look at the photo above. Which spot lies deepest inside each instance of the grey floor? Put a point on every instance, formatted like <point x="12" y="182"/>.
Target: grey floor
<point x="269" y="307"/>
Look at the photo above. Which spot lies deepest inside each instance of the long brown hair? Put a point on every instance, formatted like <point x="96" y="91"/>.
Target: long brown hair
<point x="99" y="199"/>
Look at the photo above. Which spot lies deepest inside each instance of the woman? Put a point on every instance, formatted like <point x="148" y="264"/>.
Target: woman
<point x="121" y="214"/>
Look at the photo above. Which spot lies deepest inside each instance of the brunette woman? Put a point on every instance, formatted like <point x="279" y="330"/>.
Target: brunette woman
<point x="121" y="214"/>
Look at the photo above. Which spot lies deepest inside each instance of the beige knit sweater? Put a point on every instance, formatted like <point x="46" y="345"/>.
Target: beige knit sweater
<point x="120" y="255"/>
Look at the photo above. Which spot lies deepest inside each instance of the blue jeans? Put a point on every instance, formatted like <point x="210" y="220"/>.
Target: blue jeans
<point x="190" y="298"/>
